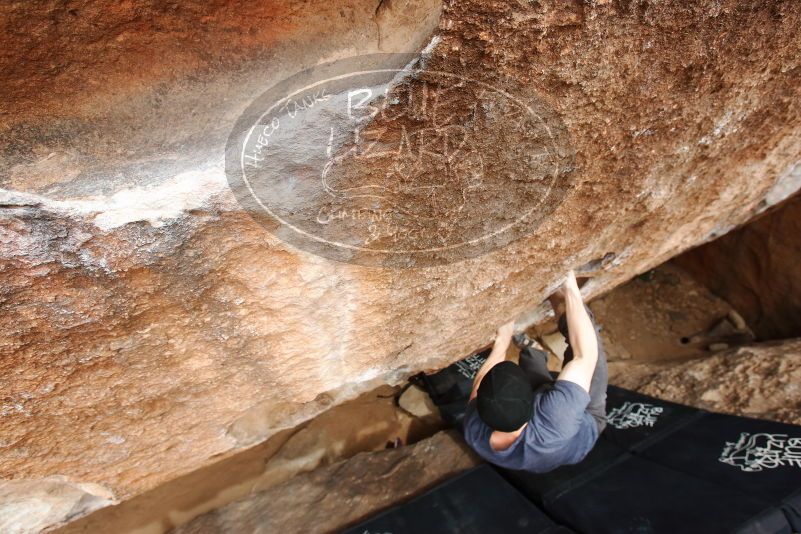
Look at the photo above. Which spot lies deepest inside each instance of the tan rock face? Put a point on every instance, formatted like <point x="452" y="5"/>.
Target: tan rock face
<point x="368" y="423"/>
<point x="32" y="505"/>
<point x="150" y="323"/>
<point x="337" y="496"/>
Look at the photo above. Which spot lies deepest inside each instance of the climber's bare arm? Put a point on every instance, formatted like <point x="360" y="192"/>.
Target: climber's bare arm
<point x="582" y="337"/>
<point x="502" y="339"/>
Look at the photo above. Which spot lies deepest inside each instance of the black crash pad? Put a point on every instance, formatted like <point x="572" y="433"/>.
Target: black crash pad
<point x="478" y="501"/>
<point x="637" y="495"/>
<point x="635" y="420"/>
<point x="758" y="458"/>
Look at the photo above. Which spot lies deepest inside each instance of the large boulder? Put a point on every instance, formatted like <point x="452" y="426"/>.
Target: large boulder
<point x="152" y="323"/>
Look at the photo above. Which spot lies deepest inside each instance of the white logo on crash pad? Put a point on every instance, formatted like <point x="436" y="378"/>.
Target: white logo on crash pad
<point x="469" y="366"/>
<point x="634" y="415"/>
<point x="754" y="452"/>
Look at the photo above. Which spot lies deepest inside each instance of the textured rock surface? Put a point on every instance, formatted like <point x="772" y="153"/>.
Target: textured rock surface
<point x="762" y="381"/>
<point x="31" y="505"/>
<point x="149" y="324"/>
<point x="758" y="269"/>
<point x="367" y="423"/>
<point x="332" y="498"/>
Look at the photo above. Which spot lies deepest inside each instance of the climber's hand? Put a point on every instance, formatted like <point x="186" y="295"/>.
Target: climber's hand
<point x="505" y="331"/>
<point x="571" y="284"/>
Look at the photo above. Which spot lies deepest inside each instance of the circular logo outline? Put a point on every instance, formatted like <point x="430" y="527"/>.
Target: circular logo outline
<point x="408" y="70"/>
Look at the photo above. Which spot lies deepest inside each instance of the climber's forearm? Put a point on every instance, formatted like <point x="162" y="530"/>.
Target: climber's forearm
<point x="497" y="355"/>
<point x="582" y="339"/>
<point x="582" y="331"/>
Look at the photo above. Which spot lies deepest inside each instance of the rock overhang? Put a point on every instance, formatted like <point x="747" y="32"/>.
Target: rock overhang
<point x="152" y="321"/>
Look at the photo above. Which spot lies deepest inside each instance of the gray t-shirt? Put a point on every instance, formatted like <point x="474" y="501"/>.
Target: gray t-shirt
<point x="560" y="431"/>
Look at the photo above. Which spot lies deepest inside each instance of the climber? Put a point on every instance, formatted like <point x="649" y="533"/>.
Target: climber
<point x="519" y="417"/>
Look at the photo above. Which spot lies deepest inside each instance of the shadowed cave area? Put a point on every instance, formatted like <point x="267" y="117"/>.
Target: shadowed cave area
<point x="235" y="238"/>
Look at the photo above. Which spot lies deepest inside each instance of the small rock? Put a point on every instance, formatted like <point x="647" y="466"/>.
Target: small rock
<point x="418" y="403"/>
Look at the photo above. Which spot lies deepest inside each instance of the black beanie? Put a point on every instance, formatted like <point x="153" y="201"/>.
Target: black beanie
<point x="505" y="398"/>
